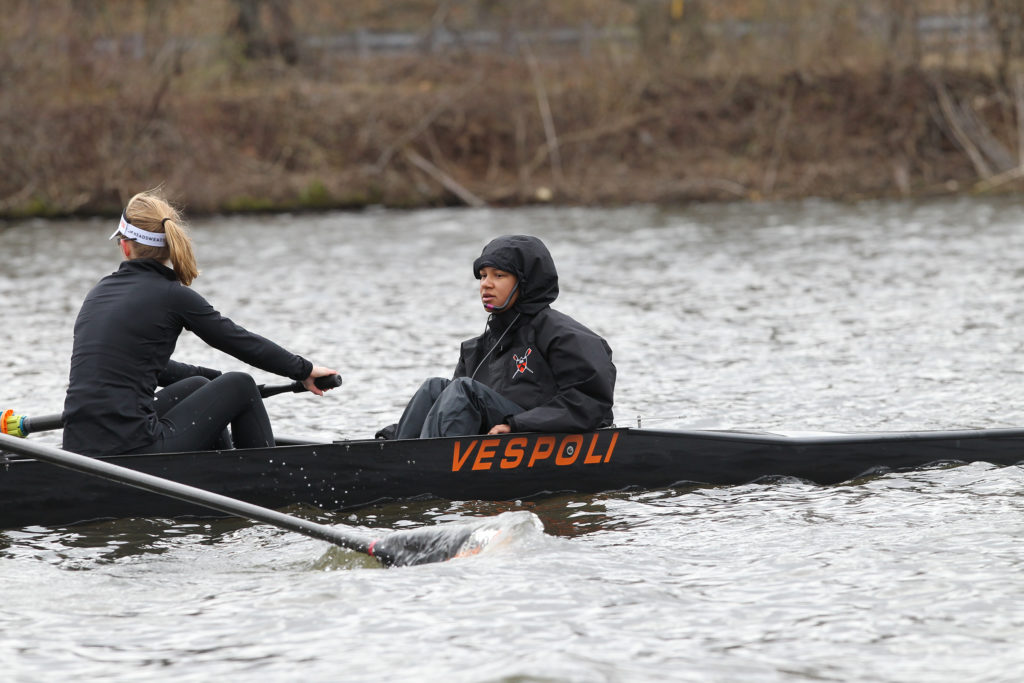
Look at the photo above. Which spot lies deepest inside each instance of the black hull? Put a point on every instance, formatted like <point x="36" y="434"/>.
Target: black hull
<point x="351" y="474"/>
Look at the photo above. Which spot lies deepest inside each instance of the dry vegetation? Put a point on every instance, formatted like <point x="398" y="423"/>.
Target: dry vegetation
<point x="273" y="104"/>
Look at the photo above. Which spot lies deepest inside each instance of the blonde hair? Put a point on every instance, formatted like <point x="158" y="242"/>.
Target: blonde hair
<point x="150" y="211"/>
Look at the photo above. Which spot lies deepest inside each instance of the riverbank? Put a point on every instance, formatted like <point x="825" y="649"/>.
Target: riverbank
<point x="412" y="132"/>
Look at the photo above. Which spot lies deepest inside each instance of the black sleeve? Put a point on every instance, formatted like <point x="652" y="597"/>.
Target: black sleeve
<point x="223" y="334"/>
<point x="176" y="371"/>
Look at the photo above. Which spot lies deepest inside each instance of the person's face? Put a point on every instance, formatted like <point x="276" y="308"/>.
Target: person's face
<point x="496" y="288"/>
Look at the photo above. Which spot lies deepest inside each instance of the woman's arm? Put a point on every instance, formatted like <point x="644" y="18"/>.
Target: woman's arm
<point x="224" y="334"/>
<point x="176" y="371"/>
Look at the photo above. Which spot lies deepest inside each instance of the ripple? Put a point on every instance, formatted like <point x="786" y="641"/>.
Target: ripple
<point x="803" y="316"/>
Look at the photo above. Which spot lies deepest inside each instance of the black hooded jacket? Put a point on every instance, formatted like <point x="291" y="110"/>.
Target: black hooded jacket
<point x="558" y="370"/>
<point x="125" y="334"/>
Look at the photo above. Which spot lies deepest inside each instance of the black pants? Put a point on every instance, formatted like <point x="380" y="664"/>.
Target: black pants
<point x="195" y="412"/>
<point x="173" y="394"/>
<point x="458" y="407"/>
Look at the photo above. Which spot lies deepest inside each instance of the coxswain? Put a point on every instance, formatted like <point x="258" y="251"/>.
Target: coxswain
<point x="534" y="369"/>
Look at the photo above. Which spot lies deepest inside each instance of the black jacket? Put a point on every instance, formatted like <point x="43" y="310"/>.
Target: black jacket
<point x="558" y="370"/>
<point x="125" y="334"/>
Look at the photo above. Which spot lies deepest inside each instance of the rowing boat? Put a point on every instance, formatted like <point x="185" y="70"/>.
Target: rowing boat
<point x="351" y="474"/>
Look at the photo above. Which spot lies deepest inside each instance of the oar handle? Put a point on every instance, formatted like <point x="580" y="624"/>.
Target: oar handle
<point x="323" y="383"/>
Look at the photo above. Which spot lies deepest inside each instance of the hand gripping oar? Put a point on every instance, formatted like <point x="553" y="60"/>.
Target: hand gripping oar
<point x="398" y="548"/>
<point x="22" y="425"/>
<point x="324" y="383"/>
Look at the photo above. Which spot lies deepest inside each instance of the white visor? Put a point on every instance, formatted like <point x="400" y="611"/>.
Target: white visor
<point x="150" y="239"/>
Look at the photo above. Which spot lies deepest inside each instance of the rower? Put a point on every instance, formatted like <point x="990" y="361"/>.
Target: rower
<point x="534" y="369"/>
<point x="125" y="333"/>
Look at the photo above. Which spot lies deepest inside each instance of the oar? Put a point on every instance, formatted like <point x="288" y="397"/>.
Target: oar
<point x="323" y="383"/>
<point x="398" y="548"/>
<point x="22" y="425"/>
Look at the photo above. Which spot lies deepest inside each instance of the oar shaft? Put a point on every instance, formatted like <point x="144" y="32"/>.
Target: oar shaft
<point x="20" y="425"/>
<point x="24" y="425"/>
<point x="190" y="494"/>
<point x="43" y="423"/>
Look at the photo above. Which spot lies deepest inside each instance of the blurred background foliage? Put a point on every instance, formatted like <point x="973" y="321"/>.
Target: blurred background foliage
<point x="286" y="104"/>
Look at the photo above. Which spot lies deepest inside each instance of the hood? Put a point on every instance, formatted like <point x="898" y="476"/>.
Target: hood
<point x="529" y="260"/>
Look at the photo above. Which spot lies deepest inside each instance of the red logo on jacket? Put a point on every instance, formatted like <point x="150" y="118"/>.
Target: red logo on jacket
<point x="521" y="365"/>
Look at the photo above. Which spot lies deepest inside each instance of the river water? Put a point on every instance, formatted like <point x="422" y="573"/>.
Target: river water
<point x="802" y="316"/>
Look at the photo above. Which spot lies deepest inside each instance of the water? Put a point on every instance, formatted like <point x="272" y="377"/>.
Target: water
<point x="806" y="316"/>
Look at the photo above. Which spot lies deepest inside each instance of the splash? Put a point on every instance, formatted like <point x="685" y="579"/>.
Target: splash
<point x="507" y="530"/>
<point x="450" y="541"/>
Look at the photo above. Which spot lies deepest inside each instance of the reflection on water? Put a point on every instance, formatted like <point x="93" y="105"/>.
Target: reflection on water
<point x="86" y="545"/>
<point x="802" y="316"/>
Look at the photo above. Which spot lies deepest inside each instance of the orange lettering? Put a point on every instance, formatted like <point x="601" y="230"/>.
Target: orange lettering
<point x="544" y="447"/>
<point x="611" y="446"/>
<point x="592" y="459"/>
<point x="515" y="450"/>
<point x="569" y="450"/>
<point x="485" y="453"/>
<point x="457" y="460"/>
